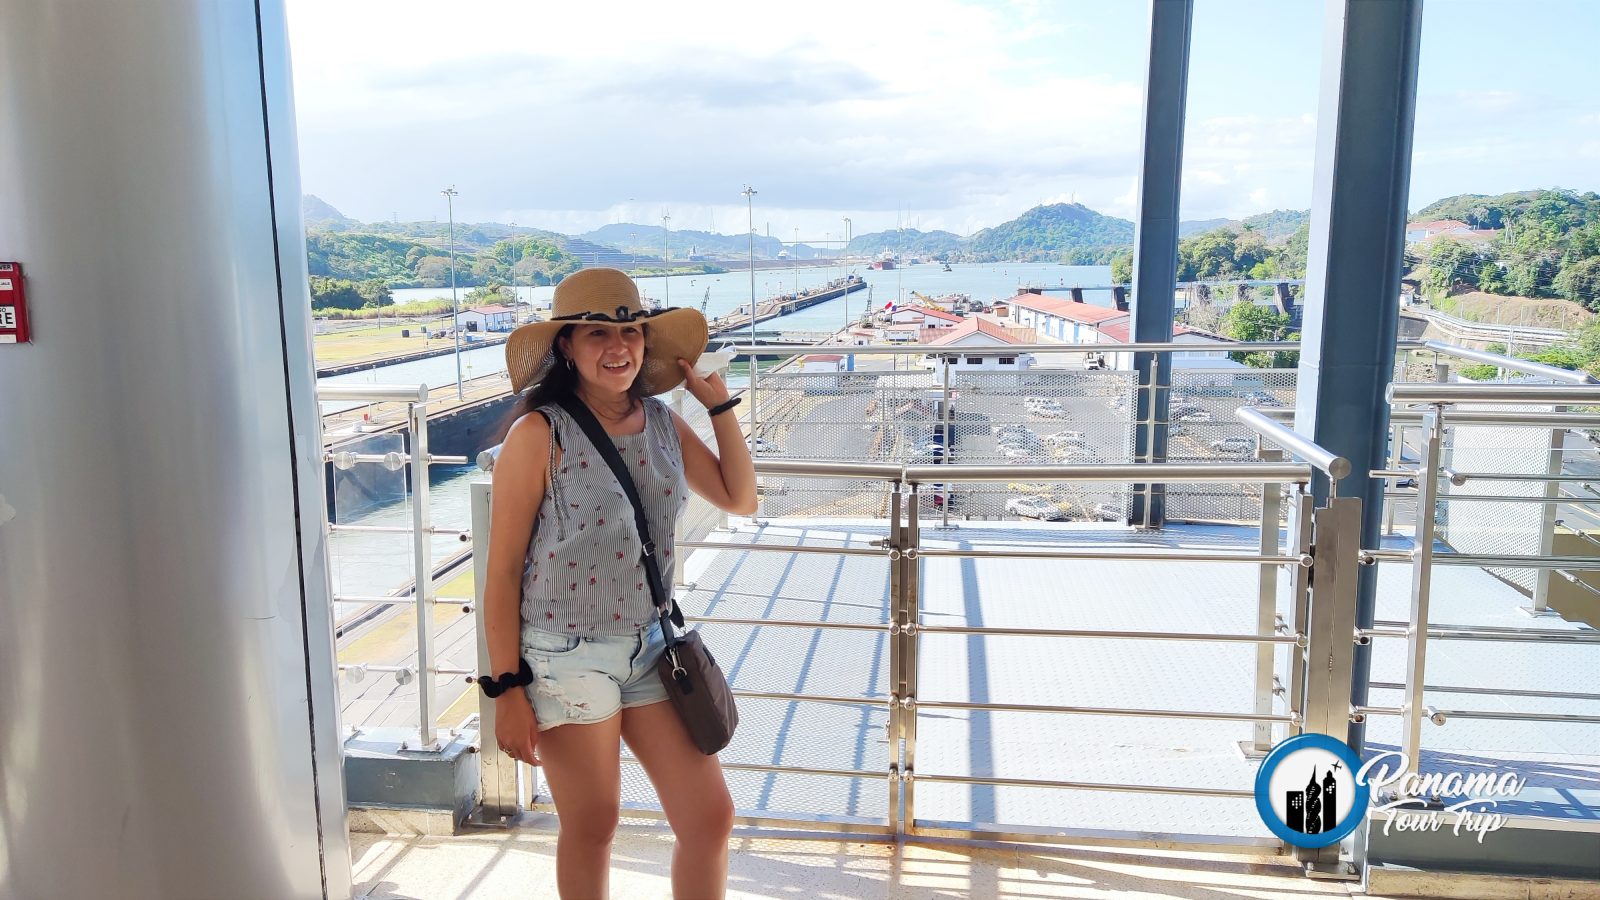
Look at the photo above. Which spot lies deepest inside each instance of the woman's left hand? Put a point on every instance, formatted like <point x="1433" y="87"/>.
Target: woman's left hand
<point x="709" y="391"/>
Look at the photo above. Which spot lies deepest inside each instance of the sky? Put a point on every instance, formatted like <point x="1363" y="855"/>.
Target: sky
<point x="936" y="114"/>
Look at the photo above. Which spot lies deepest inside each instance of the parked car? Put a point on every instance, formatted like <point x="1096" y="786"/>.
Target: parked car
<point x="1001" y="431"/>
<point x="1064" y="438"/>
<point x="1236" y="446"/>
<point x="1198" y="415"/>
<point x="1260" y="398"/>
<point x="1107" y="512"/>
<point x="1022" y="454"/>
<point x="762" y="445"/>
<point x="1035" y="508"/>
<point x="1049" y="412"/>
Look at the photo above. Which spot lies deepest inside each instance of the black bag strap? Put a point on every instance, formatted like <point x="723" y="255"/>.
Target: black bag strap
<point x="666" y="606"/>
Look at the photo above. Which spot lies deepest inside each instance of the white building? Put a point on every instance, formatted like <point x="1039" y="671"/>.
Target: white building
<point x="487" y="318"/>
<point x="977" y="332"/>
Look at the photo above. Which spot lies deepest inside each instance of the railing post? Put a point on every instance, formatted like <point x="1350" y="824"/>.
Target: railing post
<point x="1302" y="516"/>
<point x="895" y="541"/>
<point x="949" y="448"/>
<point x="422" y="558"/>
<point x="1421" y="589"/>
<point x="1266" y="608"/>
<point x="1539" y="605"/>
<point x="677" y="528"/>
<point x="1331" y="641"/>
<point x="911" y="588"/>
<point x="497" y="773"/>
<point x="1397" y="447"/>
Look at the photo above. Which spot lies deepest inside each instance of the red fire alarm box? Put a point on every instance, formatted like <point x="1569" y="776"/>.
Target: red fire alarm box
<point x="13" y="305"/>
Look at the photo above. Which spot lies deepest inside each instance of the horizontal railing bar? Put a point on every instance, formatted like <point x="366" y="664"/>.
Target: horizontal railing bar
<point x="1393" y="473"/>
<point x="1495" y="715"/>
<point x="1081" y="785"/>
<point x="815" y="698"/>
<point x="1497" y="561"/>
<point x="804" y="468"/>
<point x="1393" y="628"/>
<point x="401" y="529"/>
<point x="1386" y="555"/>
<point x="781" y="548"/>
<point x="406" y="598"/>
<point x="778" y="349"/>
<point x="433" y="458"/>
<point x="1578" y="581"/>
<point x="1492" y="417"/>
<point x="374" y="393"/>
<point x="1137" y="473"/>
<point x="1336" y="466"/>
<point x="1127" y="555"/>
<point x="1378" y="710"/>
<point x="1129" y="635"/>
<point x="1144" y="841"/>
<point x="1491" y="692"/>
<point x="1510" y="362"/>
<point x="1463" y="477"/>
<point x="790" y="770"/>
<point x="1429" y="393"/>
<point x="1129" y="712"/>
<point x="376" y="667"/>
<point x="789" y="623"/>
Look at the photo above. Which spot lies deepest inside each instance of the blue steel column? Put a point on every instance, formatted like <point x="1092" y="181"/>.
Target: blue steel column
<point x="1155" y="254"/>
<point x="1358" y="215"/>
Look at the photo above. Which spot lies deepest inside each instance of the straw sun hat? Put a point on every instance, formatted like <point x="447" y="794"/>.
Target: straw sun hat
<point x="608" y="295"/>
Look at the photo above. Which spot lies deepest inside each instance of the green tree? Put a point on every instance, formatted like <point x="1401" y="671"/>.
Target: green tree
<point x="334" y="293"/>
<point x="1490" y="281"/>
<point x="1580" y="282"/>
<point x="1451" y="264"/>
<point x="1122" y="268"/>
<point x="1251" y="323"/>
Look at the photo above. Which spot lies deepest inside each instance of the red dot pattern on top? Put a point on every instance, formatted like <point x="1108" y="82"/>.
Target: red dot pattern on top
<point x="603" y="536"/>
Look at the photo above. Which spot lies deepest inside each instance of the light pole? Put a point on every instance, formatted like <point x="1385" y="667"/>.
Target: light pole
<point x="847" y="279"/>
<point x="516" y="301"/>
<point x="455" y="302"/>
<point x="750" y="231"/>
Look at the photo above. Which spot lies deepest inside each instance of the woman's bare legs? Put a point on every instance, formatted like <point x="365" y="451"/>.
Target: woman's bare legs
<point x="693" y="795"/>
<point x="581" y="764"/>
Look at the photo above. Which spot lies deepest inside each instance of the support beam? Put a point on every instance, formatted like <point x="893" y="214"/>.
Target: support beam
<point x="1358" y="214"/>
<point x="1155" y="257"/>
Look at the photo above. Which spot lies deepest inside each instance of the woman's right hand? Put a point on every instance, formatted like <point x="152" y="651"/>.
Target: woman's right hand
<point x="515" y="729"/>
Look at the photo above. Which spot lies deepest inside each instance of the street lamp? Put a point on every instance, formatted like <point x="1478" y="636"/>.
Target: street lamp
<point x="847" y="278"/>
<point x="666" y="258"/>
<point x="516" y="301"/>
<point x="750" y="232"/>
<point x="455" y="302"/>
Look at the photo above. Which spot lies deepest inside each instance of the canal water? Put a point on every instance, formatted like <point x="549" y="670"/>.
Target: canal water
<point x="375" y="564"/>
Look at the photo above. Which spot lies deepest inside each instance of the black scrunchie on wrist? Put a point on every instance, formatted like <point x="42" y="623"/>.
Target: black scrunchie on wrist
<point x="494" y="687"/>
<point x="724" y="406"/>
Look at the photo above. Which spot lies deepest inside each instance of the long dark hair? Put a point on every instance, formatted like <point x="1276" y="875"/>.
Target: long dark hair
<point x="559" y="382"/>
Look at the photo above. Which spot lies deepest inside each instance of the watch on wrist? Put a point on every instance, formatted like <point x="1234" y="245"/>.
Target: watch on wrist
<point x="494" y="687"/>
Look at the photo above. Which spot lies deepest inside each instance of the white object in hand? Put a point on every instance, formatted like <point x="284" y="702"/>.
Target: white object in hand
<point x="712" y="361"/>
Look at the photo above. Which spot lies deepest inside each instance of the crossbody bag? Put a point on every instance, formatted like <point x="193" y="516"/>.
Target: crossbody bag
<point x="694" y="682"/>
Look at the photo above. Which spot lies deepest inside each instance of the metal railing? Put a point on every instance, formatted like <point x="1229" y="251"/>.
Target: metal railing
<point x="1304" y="699"/>
<point x="1319" y="624"/>
<point x="416" y="460"/>
<point x="1437" y="407"/>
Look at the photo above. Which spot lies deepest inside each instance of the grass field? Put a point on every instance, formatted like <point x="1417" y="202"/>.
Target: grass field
<point x="371" y="342"/>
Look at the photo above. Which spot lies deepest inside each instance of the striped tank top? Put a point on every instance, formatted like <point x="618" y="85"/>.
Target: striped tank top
<point x="583" y="574"/>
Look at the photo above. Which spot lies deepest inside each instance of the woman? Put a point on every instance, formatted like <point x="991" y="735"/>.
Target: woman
<point x="566" y="592"/>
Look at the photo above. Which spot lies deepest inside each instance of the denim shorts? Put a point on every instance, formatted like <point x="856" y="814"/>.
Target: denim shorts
<point x="582" y="680"/>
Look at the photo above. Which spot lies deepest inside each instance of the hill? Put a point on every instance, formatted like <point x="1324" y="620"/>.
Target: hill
<point x="933" y="244"/>
<point x="316" y="210"/>
<point x="1061" y="232"/>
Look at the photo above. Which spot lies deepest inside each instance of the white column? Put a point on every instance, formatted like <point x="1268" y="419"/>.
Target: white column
<point x="167" y="723"/>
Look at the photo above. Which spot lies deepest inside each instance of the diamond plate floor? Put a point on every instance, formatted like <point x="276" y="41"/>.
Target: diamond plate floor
<point x="1562" y="760"/>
